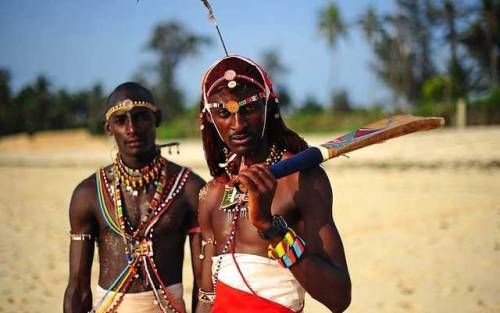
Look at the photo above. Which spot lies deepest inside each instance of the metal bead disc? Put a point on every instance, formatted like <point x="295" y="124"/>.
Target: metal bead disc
<point x="232" y="106"/>
<point x="230" y="75"/>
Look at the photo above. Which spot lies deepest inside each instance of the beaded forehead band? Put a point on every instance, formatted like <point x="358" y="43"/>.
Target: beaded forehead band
<point x="127" y="105"/>
<point x="234" y="106"/>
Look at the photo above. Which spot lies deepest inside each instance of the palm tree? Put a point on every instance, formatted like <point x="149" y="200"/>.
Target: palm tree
<point x="482" y="40"/>
<point x="449" y="13"/>
<point x="331" y="25"/>
<point x="276" y="69"/>
<point x="172" y="43"/>
<point x="370" y="24"/>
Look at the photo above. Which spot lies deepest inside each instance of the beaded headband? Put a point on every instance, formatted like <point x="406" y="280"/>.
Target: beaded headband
<point x="234" y="106"/>
<point x="127" y="105"/>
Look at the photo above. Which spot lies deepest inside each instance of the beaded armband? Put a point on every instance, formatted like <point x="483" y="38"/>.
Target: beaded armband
<point x="206" y="297"/>
<point x="289" y="250"/>
<point x="81" y="237"/>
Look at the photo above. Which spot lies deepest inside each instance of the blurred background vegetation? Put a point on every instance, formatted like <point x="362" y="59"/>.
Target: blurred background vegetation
<point x="404" y="44"/>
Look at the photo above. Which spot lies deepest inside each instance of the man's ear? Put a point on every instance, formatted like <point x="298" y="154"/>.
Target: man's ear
<point x="157" y="118"/>
<point x="107" y="128"/>
<point x="209" y="118"/>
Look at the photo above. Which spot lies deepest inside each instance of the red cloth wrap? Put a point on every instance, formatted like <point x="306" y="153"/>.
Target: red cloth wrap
<point x="232" y="300"/>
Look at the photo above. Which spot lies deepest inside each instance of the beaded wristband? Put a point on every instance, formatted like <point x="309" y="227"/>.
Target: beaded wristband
<point x="206" y="297"/>
<point x="288" y="250"/>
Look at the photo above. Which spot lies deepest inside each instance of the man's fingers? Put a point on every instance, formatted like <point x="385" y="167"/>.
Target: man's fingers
<point x="247" y="182"/>
<point x="259" y="178"/>
<point x="264" y="172"/>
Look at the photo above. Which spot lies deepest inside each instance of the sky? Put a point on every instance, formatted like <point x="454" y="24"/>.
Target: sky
<point x="79" y="43"/>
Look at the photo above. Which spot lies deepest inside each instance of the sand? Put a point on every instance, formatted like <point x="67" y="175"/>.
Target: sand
<point x="419" y="216"/>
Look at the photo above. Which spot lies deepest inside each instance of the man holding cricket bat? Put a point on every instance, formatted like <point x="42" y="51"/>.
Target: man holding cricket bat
<point x="265" y="241"/>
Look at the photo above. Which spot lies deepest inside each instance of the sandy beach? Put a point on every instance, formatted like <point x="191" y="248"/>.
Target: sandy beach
<point x="419" y="216"/>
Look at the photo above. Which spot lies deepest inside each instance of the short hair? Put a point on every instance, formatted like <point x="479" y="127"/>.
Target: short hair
<point x="133" y="90"/>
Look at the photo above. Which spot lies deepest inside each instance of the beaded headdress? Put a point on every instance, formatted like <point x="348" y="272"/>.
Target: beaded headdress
<point x="232" y="70"/>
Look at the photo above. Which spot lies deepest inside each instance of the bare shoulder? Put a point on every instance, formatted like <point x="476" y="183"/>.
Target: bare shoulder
<point x="209" y="195"/>
<point x="85" y="191"/>
<point x="83" y="201"/>
<point x="193" y="183"/>
<point x="314" y="177"/>
<point x="209" y="199"/>
<point x="306" y="181"/>
<point x="311" y="190"/>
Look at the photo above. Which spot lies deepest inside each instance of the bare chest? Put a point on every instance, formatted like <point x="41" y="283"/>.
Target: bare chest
<point x="139" y="214"/>
<point x="245" y="234"/>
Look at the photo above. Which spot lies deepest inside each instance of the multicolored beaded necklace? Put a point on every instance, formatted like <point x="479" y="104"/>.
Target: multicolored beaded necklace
<point x="237" y="209"/>
<point x="139" y="241"/>
<point x="135" y="179"/>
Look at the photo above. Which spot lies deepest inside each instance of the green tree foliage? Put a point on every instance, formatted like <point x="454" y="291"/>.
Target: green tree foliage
<point x="276" y="69"/>
<point x="35" y="101"/>
<point x="96" y="100"/>
<point x="341" y="102"/>
<point x="172" y="43"/>
<point x="401" y="43"/>
<point x="332" y="27"/>
<point x="331" y="24"/>
<point x="482" y="40"/>
<point x="6" y="109"/>
<point x="311" y="106"/>
<point x="448" y="15"/>
<point x="36" y="107"/>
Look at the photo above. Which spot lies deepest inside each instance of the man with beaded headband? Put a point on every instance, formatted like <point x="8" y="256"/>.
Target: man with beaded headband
<point x="139" y="210"/>
<point x="265" y="242"/>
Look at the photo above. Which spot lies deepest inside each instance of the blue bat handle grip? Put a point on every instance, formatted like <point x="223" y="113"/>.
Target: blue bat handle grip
<point x="301" y="161"/>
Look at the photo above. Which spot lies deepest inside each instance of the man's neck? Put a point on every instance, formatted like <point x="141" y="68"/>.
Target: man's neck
<point x="137" y="162"/>
<point x="259" y="155"/>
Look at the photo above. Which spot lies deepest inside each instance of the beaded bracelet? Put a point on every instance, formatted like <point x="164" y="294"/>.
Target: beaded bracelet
<point x="288" y="250"/>
<point x="206" y="297"/>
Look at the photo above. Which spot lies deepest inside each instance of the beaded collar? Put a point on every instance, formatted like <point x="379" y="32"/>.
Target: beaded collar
<point x="135" y="179"/>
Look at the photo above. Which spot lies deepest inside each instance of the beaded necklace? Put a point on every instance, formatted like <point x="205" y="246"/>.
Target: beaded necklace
<point x="135" y="179"/>
<point x="139" y="241"/>
<point x="240" y="208"/>
<point x="233" y="199"/>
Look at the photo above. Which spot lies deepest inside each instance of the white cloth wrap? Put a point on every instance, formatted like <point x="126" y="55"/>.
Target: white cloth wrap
<point x="265" y="276"/>
<point x="142" y="302"/>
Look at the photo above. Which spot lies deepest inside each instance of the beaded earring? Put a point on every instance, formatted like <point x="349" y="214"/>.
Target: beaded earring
<point x="202" y="124"/>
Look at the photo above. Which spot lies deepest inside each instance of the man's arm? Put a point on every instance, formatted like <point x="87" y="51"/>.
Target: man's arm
<point x="324" y="260"/>
<point x="78" y="295"/>
<point x="193" y="187"/>
<point x="205" y="207"/>
<point x="322" y="269"/>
